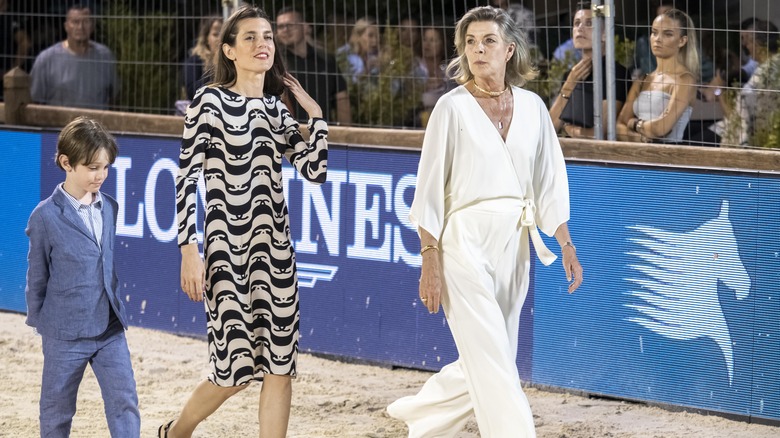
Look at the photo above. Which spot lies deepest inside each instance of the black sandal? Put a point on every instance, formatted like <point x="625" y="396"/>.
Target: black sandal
<point x="162" y="431"/>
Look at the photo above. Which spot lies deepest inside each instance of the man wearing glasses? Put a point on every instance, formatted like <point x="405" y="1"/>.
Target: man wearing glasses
<point x="315" y="70"/>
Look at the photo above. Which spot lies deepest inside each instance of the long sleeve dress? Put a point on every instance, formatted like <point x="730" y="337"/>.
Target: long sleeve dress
<point x="482" y="198"/>
<point x="251" y="297"/>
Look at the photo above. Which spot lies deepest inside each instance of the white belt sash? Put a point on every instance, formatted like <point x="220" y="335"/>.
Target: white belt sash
<point x="528" y="225"/>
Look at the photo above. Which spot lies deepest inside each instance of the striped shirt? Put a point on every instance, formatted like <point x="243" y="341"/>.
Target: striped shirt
<point x="89" y="213"/>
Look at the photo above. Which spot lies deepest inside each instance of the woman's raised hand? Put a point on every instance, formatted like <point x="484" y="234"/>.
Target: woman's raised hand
<point x="308" y="104"/>
<point x="582" y="69"/>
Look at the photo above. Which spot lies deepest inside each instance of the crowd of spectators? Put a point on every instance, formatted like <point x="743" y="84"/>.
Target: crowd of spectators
<point x="364" y="71"/>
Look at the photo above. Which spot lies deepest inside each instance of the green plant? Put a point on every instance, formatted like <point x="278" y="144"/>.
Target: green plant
<point x="148" y="79"/>
<point x="760" y="109"/>
<point x="768" y="135"/>
<point x="548" y="83"/>
<point x="392" y="97"/>
<point x="624" y="51"/>
<point x="766" y="120"/>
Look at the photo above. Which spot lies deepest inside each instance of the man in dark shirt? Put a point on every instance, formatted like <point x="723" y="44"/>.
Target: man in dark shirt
<point x="316" y="71"/>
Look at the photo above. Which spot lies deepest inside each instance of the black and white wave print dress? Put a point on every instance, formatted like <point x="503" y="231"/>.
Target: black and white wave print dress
<point x="251" y="282"/>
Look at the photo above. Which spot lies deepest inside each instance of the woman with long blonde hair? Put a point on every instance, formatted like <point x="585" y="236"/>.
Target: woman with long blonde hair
<point x="360" y="56"/>
<point x="658" y="107"/>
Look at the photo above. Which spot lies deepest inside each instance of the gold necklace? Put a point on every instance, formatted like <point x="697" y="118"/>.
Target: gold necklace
<point x="489" y="93"/>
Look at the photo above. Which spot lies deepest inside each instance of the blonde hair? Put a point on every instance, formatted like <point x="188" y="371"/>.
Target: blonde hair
<point x="689" y="53"/>
<point x="202" y="49"/>
<point x="361" y="26"/>
<point x="519" y="69"/>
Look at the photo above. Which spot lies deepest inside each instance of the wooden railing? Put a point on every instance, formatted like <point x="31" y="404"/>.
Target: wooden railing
<point x="17" y="110"/>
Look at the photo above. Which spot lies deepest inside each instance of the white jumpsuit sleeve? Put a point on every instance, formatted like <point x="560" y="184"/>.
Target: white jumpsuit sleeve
<point x="433" y="173"/>
<point x="550" y="181"/>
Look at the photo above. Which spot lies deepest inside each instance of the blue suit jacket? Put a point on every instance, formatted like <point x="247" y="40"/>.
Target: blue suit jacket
<point x="71" y="281"/>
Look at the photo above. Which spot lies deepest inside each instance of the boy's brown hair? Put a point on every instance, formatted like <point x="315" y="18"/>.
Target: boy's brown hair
<point x="82" y="139"/>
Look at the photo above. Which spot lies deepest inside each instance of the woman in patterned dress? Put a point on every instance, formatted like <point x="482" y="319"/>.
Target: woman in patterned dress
<point x="236" y="132"/>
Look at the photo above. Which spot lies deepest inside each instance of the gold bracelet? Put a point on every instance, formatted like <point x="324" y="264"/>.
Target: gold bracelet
<point x="427" y="247"/>
<point x="569" y="244"/>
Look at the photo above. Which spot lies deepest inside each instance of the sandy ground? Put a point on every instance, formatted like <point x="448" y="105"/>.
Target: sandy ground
<point x="330" y="399"/>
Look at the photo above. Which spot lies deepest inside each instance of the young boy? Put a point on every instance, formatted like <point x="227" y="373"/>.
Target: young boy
<point x="72" y="296"/>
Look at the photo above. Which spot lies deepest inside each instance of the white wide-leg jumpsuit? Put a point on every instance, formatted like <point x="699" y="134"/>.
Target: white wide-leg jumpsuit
<point x="471" y="192"/>
<point x="485" y="292"/>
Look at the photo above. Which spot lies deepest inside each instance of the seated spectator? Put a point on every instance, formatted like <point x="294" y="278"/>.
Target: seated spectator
<point x="360" y="57"/>
<point x="14" y="42"/>
<point x="315" y="70"/>
<point x="749" y="62"/>
<point x="658" y="107"/>
<point x="643" y="56"/>
<point x="409" y="36"/>
<point x="198" y="65"/>
<point x="727" y="73"/>
<point x="572" y="111"/>
<point x="78" y="71"/>
<point x="750" y="120"/>
<point x="435" y="59"/>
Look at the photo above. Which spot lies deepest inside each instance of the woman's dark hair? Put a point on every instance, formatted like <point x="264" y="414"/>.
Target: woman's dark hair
<point x="225" y="70"/>
<point x="765" y="33"/>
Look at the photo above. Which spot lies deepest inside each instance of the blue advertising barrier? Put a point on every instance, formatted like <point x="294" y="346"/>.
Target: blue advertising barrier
<point x="679" y="304"/>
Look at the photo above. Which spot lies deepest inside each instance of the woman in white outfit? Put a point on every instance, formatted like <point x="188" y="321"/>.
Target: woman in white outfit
<point x="490" y="173"/>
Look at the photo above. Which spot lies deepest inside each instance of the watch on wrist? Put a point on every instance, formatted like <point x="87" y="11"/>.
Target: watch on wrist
<point x="639" y="125"/>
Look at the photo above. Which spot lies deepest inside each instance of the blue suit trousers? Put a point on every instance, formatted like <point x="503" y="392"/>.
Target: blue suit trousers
<point x="64" y="362"/>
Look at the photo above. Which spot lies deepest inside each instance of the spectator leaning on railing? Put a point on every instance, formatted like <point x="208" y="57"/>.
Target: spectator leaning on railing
<point x="78" y="71"/>
<point x="659" y="105"/>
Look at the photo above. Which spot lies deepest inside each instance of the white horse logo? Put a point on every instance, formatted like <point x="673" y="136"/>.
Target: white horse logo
<point x="679" y="288"/>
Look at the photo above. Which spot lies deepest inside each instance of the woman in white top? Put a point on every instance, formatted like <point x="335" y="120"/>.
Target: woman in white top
<point x="490" y="173"/>
<point x="658" y="106"/>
